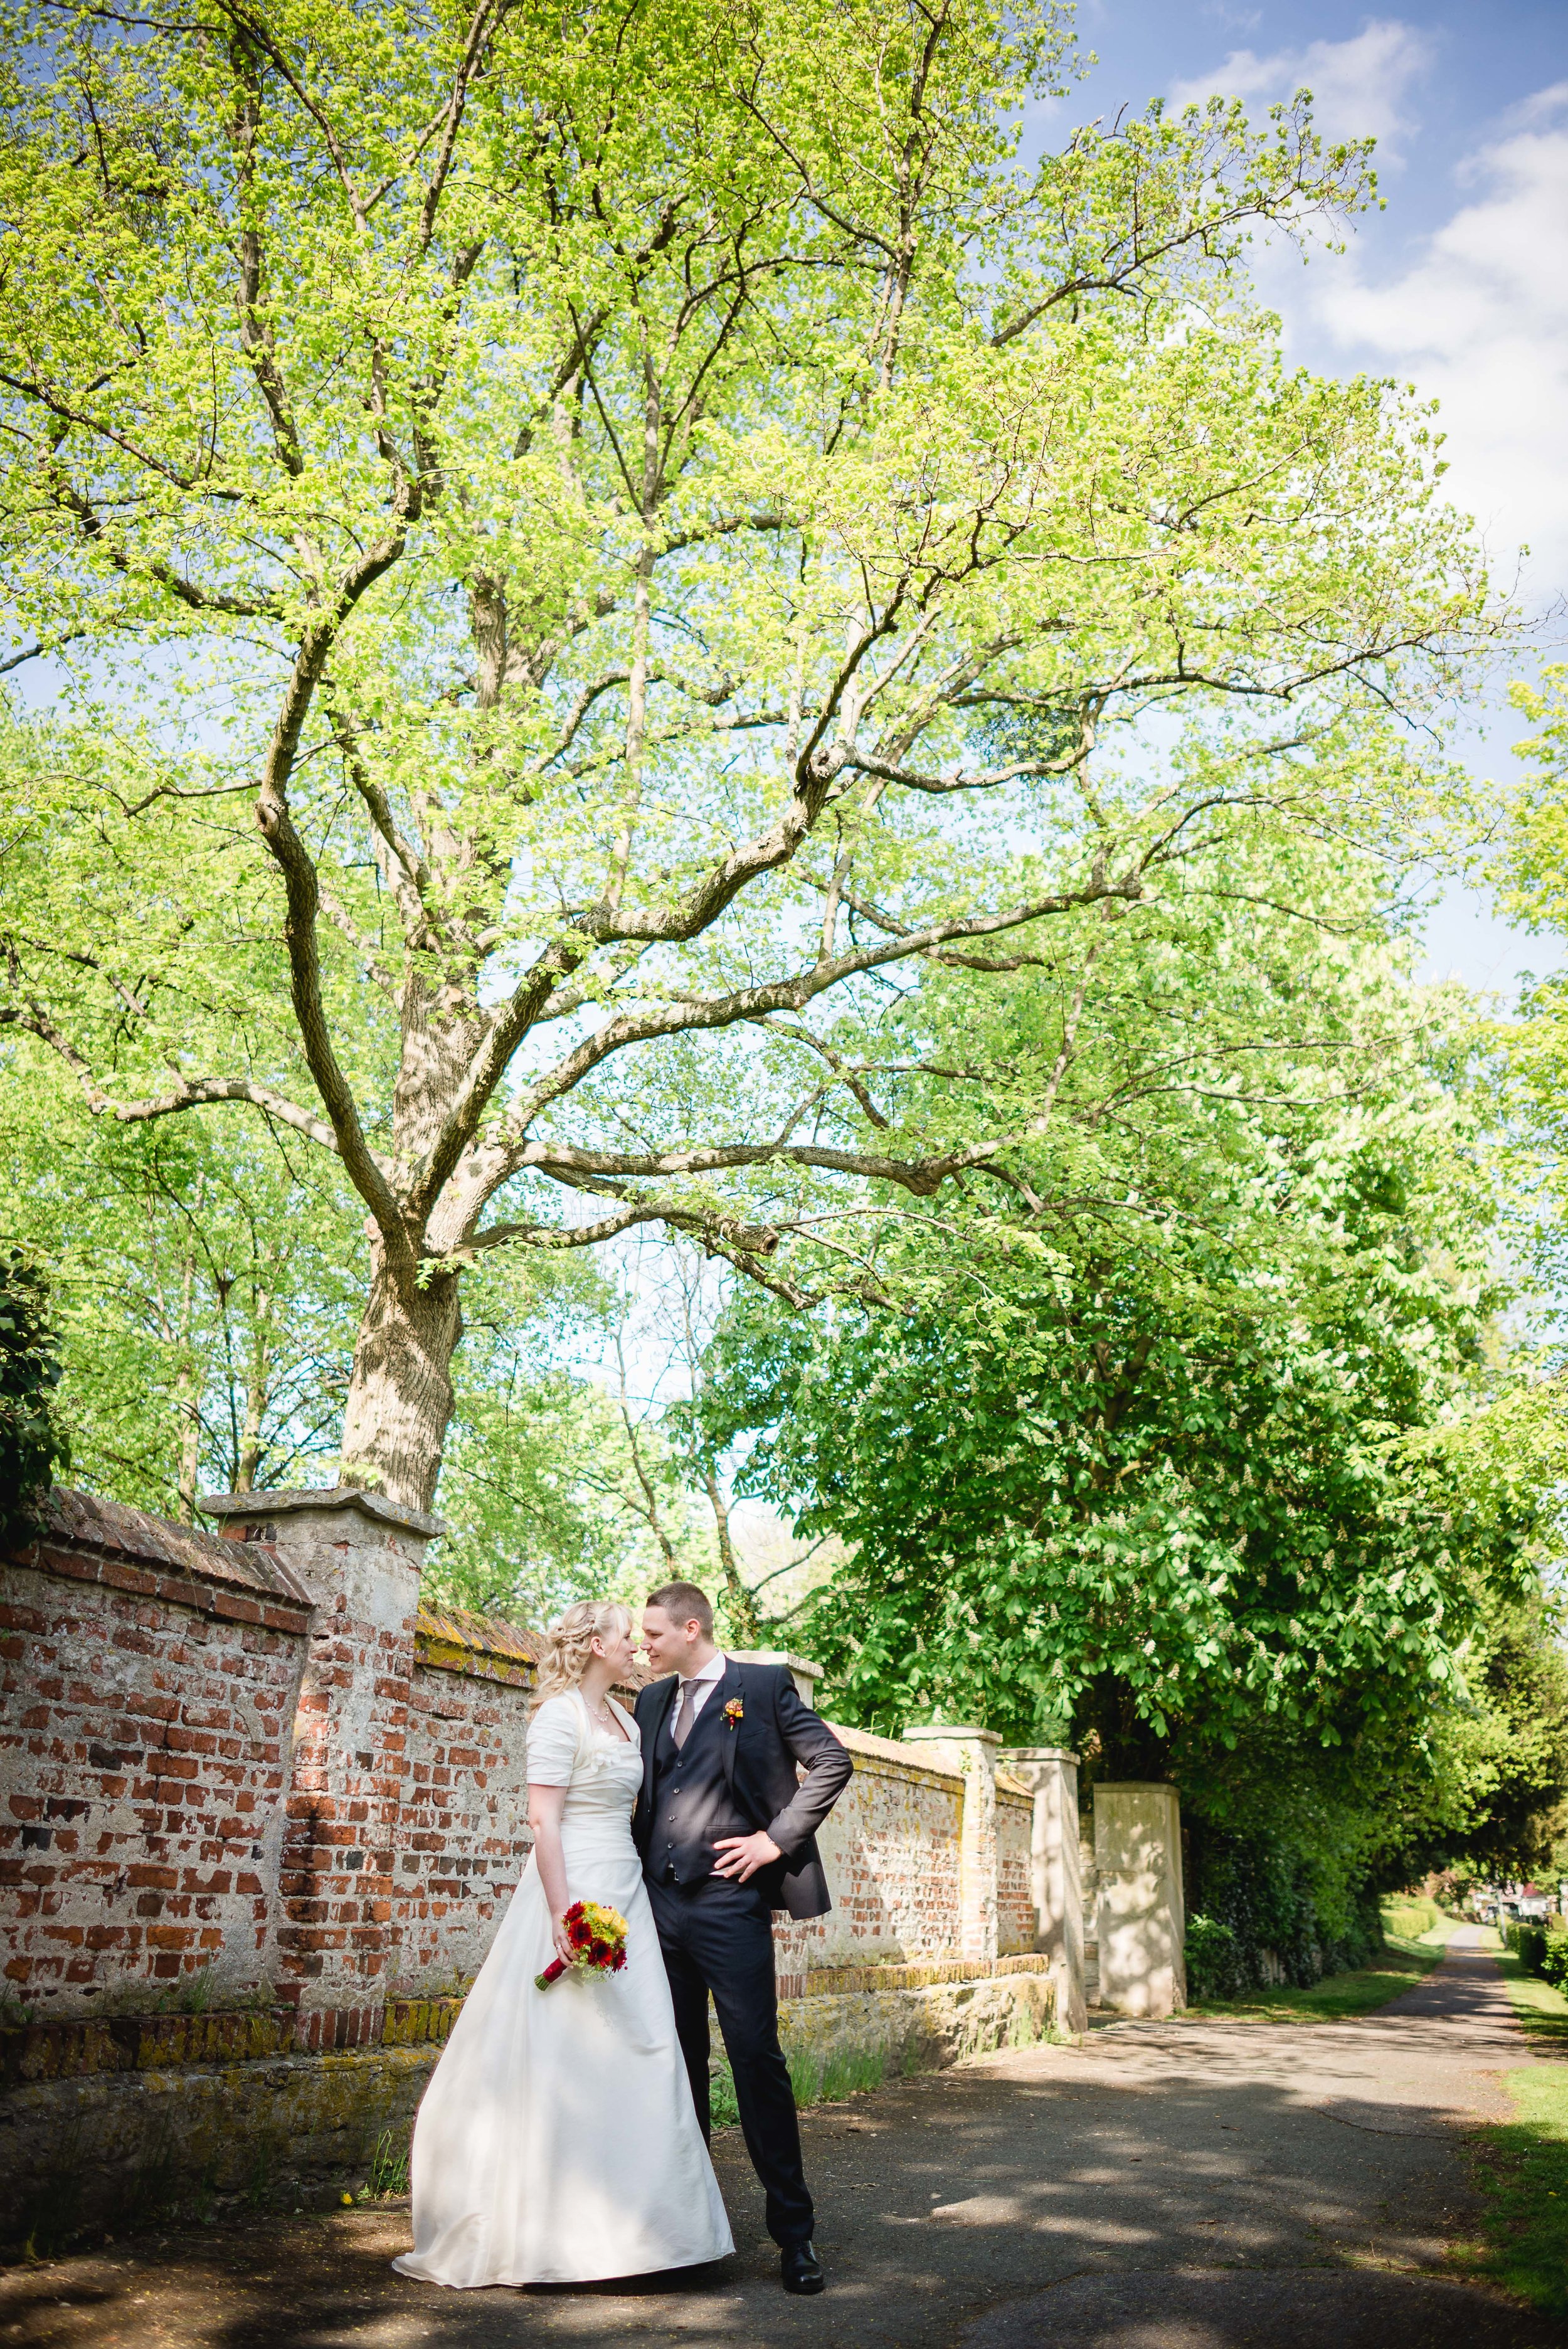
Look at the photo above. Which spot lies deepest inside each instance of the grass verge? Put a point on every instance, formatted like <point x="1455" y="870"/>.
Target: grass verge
<point x="1401" y="1966"/>
<point x="1522" y="2171"/>
<point x="1521" y="2164"/>
<point x="1542" y="2011"/>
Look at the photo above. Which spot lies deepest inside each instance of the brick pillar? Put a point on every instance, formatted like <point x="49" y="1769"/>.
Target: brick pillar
<point x="359" y="1557"/>
<point x="1051" y="1773"/>
<point x="1142" y="1922"/>
<point x="970" y="1754"/>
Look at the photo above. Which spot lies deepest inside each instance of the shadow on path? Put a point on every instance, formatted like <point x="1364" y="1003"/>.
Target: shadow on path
<point x="1171" y="2185"/>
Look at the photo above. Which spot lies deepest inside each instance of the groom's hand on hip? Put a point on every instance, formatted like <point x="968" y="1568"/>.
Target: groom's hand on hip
<point x="740" y="1856"/>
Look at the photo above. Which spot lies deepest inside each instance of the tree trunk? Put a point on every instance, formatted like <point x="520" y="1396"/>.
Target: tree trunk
<point x="739" y="1604"/>
<point x="400" y="1393"/>
<point x="188" y="1386"/>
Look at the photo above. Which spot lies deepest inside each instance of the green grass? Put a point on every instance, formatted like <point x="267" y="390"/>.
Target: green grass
<point x="816" y="2080"/>
<point x="1359" y="1992"/>
<point x="1522" y="2164"/>
<point x="1523" y="2173"/>
<point x="823" y="2080"/>
<point x="722" y="2110"/>
<point x="1542" y="2011"/>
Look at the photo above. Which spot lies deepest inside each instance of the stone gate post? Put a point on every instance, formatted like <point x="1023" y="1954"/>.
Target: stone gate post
<point x="1142" y="1919"/>
<point x="359" y="1557"/>
<point x="972" y="1754"/>
<point x="1050" y="1773"/>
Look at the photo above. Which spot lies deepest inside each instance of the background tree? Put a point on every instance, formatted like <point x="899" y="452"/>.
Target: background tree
<point x="605" y="546"/>
<point x="33" y="1444"/>
<point x="1178" y="1485"/>
<point x="206" y="1280"/>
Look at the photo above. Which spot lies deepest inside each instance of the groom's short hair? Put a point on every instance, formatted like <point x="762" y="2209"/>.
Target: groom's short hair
<point x="682" y="1602"/>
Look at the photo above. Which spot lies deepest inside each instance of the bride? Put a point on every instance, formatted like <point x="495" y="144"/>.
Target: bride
<point x="557" y="2142"/>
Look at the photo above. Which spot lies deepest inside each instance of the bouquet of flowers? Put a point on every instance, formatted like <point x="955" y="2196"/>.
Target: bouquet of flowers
<point x="597" y="1934"/>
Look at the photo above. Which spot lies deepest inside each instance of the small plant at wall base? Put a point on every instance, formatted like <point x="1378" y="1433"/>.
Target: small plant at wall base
<point x="32" y="1446"/>
<point x="1216" y="1967"/>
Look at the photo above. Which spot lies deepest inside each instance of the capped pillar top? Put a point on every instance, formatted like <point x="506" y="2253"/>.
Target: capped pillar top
<point x="255" y="1508"/>
<point x="356" y="1552"/>
<point x="970" y="1732"/>
<point x="1034" y="1764"/>
<point x="800" y="1668"/>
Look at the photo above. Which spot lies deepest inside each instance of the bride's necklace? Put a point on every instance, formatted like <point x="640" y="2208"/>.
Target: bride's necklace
<point x="601" y="1714"/>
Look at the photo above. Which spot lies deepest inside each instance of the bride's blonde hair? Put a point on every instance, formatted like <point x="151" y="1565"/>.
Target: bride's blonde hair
<point x="566" y="1649"/>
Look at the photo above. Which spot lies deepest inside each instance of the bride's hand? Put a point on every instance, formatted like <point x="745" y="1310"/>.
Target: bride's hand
<point x="563" y="1941"/>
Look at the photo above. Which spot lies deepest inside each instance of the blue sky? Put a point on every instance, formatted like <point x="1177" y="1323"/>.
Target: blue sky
<point x="1459" y="286"/>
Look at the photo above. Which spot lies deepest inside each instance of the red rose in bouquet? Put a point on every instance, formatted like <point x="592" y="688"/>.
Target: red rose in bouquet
<point x="598" y="1937"/>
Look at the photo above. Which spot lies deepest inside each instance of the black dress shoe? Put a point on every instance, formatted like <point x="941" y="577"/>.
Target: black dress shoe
<point x="800" y="2268"/>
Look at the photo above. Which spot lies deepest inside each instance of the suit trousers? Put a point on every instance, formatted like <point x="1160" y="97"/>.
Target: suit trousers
<point x="718" y="1937"/>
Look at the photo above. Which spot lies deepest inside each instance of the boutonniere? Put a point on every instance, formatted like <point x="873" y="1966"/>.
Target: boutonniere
<point x="735" y="1713"/>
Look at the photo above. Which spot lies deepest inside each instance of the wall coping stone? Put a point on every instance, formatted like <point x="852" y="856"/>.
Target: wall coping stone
<point x="915" y="1973"/>
<point x="451" y="1639"/>
<point x="917" y="1731"/>
<point x="374" y="1506"/>
<point x="61" y="2050"/>
<point x="86" y="1539"/>
<point x="887" y="1758"/>
<point x="142" y="2043"/>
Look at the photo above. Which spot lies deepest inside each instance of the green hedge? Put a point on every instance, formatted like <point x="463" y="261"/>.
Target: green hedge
<point x="1541" y="1950"/>
<point x="1253" y="1893"/>
<point x="1216" y="1965"/>
<point x="1411" y="1915"/>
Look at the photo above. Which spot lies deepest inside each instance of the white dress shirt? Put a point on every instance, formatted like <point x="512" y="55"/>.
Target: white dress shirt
<point x="702" y="1684"/>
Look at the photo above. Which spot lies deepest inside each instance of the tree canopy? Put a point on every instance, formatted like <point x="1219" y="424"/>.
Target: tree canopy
<point x="582" y="555"/>
<point x="1164" y="1483"/>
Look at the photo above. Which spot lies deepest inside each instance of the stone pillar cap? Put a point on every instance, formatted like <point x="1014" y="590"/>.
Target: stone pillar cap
<point x="1038" y="1753"/>
<point x="951" y="1728"/>
<point x="776" y="1656"/>
<point x="374" y="1506"/>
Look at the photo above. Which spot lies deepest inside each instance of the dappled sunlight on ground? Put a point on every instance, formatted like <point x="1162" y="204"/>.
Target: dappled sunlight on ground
<point x="1182" y="2184"/>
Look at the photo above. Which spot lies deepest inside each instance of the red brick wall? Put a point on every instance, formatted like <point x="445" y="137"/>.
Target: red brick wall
<point x="890" y="1849"/>
<point x="463" y="1839"/>
<point x="1016" y="1922"/>
<point x="197" y="1767"/>
<point x="144" y="1724"/>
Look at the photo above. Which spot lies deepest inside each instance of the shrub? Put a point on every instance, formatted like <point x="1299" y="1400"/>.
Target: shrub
<point x="1216" y="1967"/>
<point x="1528" y="1943"/>
<point x="1409" y="1915"/>
<point x="1263" y="1889"/>
<point x="1555" y="1961"/>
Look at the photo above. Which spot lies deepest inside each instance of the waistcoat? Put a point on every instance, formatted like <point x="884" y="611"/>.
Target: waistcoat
<point x="692" y="1802"/>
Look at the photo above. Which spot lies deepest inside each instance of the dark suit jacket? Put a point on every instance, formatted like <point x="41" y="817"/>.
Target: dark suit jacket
<point x="774" y="1732"/>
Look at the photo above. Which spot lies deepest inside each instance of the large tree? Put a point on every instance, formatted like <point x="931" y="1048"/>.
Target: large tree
<point x="577" y="545"/>
<point x="205" y="1281"/>
<point x="1172" y="1473"/>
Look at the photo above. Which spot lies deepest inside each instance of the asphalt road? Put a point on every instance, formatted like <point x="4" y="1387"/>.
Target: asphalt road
<point x="1172" y="2185"/>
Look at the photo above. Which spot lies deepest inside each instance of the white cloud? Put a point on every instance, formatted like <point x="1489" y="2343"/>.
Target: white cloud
<point x="1481" y="320"/>
<point x="1358" y="86"/>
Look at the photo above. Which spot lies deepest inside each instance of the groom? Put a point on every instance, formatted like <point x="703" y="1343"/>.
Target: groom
<point x="725" y="1828"/>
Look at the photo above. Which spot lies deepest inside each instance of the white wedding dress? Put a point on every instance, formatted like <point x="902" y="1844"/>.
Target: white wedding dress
<point x="557" y="2143"/>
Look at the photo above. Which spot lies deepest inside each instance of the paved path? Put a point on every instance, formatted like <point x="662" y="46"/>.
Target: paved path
<point x="1169" y="2186"/>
